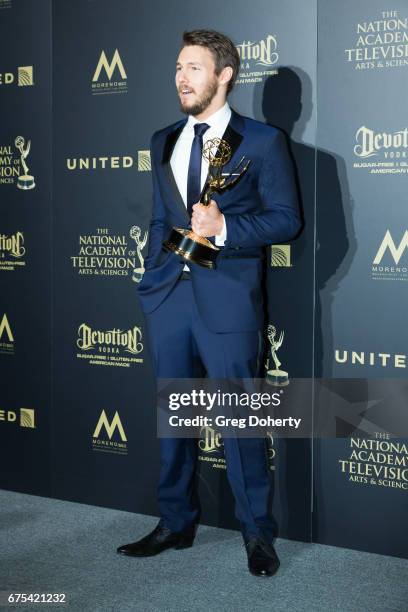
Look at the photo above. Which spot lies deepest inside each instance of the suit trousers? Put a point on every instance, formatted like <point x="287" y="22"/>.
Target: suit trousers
<point x="181" y="345"/>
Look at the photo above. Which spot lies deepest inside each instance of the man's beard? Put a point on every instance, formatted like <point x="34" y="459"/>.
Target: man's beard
<point x="203" y="102"/>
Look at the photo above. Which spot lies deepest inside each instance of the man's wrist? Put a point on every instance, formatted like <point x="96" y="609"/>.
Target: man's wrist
<point x="221" y="226"/>
<point x="221" y="237"/>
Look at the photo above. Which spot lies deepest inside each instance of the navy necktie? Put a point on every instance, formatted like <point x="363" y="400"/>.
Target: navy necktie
<point x="194" y="168"/>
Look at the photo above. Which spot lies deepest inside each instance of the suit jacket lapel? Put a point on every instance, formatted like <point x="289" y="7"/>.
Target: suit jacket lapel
<point x="171" y="181"/>
<point x="170" y="141"/>
<point x="233" y="135"/>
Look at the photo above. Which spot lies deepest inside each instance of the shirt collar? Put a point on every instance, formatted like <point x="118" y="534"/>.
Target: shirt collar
<point x="222" y="115"/>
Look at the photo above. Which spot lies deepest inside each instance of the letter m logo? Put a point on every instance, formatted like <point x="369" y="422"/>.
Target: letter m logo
<point x="110" y="427"/>
<point x="388" y="243"/>
<point x="109" y="68"/>
<point x="5" y="327"/>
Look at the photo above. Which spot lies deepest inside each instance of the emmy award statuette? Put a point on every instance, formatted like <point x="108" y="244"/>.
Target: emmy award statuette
<point x="186" y="243"/>
<point x="136" y="234"/>
<point x="276" y="377"/>
<point x="25" y="181"/>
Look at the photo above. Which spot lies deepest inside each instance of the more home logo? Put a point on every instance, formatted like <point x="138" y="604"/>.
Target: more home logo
<point x="108" y="69"/>
<point x="6" y="336"/>
<point x="392" y="252"/>
<point x="104" y="432"/>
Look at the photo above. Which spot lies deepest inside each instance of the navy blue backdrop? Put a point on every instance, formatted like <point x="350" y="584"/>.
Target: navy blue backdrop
<point x="86" y="84"/>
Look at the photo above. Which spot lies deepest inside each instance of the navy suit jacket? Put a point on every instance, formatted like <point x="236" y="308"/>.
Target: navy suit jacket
<point x="260" y="210"/>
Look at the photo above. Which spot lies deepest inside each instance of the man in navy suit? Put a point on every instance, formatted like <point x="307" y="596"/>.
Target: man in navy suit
<point x="213" y="318"/>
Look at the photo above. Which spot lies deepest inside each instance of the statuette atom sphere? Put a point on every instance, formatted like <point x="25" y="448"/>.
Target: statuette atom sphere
<point x="217" y="152"/>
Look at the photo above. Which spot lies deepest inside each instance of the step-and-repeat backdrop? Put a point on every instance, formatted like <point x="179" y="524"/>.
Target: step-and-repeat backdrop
<point x="83" y="85"/>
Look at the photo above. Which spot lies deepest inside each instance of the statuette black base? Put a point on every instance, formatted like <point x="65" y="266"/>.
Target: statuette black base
<point x="192" y="247"/>
<point x="277" y="378"/>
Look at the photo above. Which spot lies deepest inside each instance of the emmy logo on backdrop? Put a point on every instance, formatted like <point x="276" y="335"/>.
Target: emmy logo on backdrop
<point x="24" y="181"/>
<point x="276" y="377"/>
<point x="186" y="243"/>
<point x="136" y="233"/>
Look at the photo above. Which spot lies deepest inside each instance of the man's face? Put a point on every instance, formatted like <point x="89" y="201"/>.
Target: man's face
<point x="196" y="81"/>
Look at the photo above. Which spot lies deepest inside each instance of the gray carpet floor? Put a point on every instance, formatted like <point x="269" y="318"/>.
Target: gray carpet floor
<point x="55" y="546"/>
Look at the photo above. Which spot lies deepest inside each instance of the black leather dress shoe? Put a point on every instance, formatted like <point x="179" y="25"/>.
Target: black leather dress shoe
<point x="262" y="557"/>
<point x="161" y="538"/>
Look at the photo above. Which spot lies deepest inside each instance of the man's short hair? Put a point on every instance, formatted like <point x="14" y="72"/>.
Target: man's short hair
<point x="222" y="48"/>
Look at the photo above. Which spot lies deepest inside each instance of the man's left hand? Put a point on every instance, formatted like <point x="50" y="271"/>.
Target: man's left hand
<point x="207" y="220"/>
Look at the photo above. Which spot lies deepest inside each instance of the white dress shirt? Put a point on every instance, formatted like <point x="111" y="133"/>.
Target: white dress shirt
<point x="180" y="158"/>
